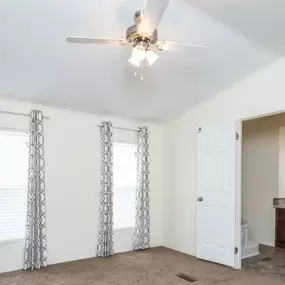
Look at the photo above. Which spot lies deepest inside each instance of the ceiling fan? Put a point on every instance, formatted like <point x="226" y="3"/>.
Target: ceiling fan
<point x="142" y="36"/>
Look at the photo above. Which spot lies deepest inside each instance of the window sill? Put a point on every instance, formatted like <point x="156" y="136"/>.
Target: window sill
<point x="124" y="228"/>
<point x="12" y="241"/>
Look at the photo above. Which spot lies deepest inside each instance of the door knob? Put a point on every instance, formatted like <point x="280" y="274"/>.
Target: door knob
<point x="200" y="199"/>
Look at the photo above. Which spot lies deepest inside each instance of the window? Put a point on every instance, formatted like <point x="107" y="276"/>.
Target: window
<point x="125" y="176"/>
<point x="13" y="184"/>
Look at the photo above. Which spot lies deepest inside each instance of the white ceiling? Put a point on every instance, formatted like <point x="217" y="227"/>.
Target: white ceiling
<point x="36" y="64"/>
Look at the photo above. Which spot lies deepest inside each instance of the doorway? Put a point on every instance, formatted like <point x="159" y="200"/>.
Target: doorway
<point x="248" y="237"/>
<point x="262" y="181"/>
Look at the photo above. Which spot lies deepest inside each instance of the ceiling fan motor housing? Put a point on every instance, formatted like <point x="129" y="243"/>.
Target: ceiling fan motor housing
<point x="135" y="36"/>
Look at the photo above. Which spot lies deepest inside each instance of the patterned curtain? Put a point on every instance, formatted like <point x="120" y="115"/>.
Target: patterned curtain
<point x="35" y="240"/>
<point x="105" y="239"/>
<point x="142" y="234"/>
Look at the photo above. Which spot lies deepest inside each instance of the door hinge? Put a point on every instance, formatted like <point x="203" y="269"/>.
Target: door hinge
<point x="237" y="136"/>
<point x="199" y="130"/>
<point x="236" y="250"/>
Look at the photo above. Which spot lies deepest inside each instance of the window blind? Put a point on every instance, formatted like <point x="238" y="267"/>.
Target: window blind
<point x="125" y="175"/>
<point x="14" y="157"/>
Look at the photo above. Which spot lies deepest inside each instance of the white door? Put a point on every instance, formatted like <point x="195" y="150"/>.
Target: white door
<point x="216" y="194"/>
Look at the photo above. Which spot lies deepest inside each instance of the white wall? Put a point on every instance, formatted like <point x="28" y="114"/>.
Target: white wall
<point x="262" y="92"/>
<point x="72" y="151"/>
<point x="281" y="192"/>
<point x="260" y="176"/>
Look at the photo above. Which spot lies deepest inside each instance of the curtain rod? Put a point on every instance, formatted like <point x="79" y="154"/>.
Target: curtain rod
<point x="18" y="114"/>
<point x="123" y="129"/>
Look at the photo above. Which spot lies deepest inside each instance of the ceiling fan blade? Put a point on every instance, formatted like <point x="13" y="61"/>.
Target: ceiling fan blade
<point x="172" y="46"/>
<point x="79" y="40"/>
<point x="152" y="15"/>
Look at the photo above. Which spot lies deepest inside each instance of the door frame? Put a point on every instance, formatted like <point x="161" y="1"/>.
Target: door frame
<point x="239" y="124"/>
<point x="238" y="190"/>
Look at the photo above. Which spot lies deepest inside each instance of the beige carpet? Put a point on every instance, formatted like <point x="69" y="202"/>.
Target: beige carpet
<point x="270" y="262"/>
<point x="156" y="266"/>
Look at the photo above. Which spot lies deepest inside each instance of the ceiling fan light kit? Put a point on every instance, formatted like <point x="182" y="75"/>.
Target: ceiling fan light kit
<point x="151" y="57"/>
<point x="134" y="61"/>
<point x="142" y="36"/>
